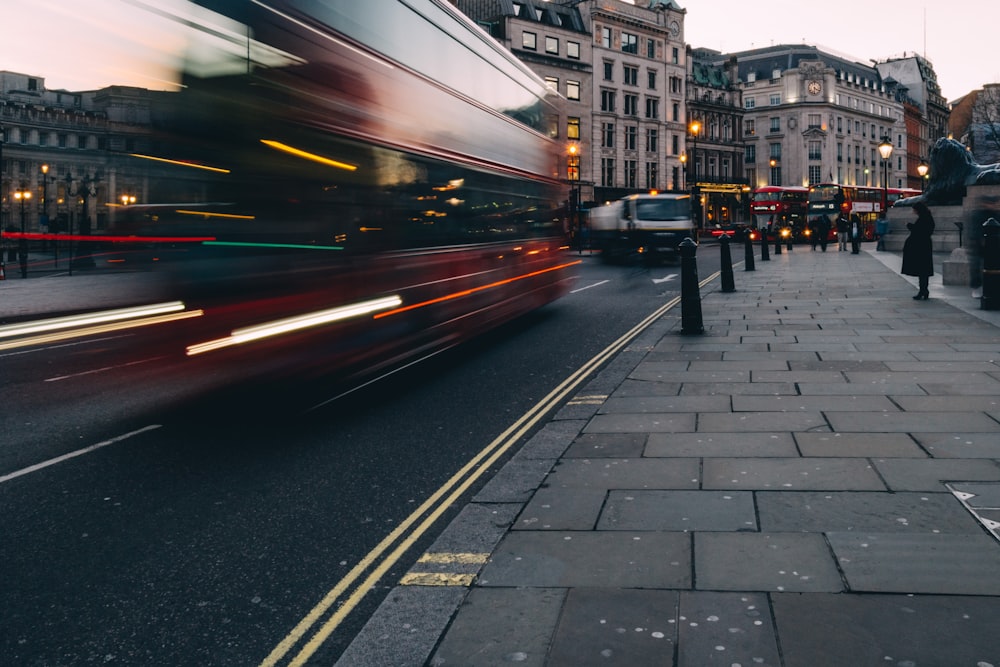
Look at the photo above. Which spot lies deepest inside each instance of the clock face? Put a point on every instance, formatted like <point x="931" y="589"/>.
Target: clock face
<point x="815" y="87"/>
<point x="675" y="28"/>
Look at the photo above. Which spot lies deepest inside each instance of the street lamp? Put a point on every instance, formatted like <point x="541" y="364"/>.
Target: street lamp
<point x="885" y="150"/>
<point x="695" y="128"/>
<point x="922" y="170"/>
<point x="23" y="194"/>
<point x="573" y="174"/>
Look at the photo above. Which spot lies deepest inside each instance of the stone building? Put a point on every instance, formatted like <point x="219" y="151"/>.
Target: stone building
<point x="811" y="116"/>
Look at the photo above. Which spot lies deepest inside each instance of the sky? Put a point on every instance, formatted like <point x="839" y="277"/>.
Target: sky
<point x="120" y="42"/>
<point x="962" y="49"/>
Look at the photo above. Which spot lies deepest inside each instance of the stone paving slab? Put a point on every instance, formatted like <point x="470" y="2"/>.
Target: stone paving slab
<point x="931" y="474"/>
<point x="912" y="422"/>
<point x="937" y="564"/>
<point x="764" y="562"/>
<point x="859" y="445"/>
<point x="725" y="629"/>
<point x="683" y="511"/>
<point x="585" y="559"/>
<point x="720" y="445"/>
<point x="616" y="627"/>
<point x="640" y="473"/>
<point x="498" y="626"/>
<point x="845" y="474"/>
<point x="866" y="630"/>
<point x="826" y="511"/>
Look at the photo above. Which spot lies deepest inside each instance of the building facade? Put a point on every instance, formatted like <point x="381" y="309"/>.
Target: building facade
<point x="812" y="117"/>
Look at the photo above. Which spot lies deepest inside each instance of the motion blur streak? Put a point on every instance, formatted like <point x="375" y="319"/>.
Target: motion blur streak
<point x="467" y="292"/>
<point x="278" y="327"/>
<point x="85" y="319"/>
<point x="298" y="152"/>
<point x="103" y="328"/>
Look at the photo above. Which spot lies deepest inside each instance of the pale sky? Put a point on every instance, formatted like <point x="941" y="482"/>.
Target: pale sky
<point x="958" y="37"/>
<point x="119" y="42"/>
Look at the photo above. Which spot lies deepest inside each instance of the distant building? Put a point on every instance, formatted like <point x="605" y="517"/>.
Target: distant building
<point x="811" y="116"/>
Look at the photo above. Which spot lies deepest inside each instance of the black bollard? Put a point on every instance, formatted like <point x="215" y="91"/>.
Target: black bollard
<point x="990" y="300"/>
<point x="728" y="285"/>
<point x="765" y="252"/>
<point x="748" y="253"/>
<point x="691" y="322"/>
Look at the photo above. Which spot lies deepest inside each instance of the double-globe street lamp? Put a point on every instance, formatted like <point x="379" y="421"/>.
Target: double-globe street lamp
<point x="22" y="195"/>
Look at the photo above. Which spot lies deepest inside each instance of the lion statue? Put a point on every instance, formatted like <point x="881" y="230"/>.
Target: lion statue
<point x="952" y="168"/>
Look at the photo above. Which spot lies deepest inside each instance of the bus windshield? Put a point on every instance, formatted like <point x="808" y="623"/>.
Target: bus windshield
<point x="663" y="209"/>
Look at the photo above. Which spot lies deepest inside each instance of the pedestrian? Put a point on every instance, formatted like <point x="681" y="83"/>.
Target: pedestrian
<point x="841" y="232"/>
<point x="855" y="233"/>
<point x="918" y="259"/>
<point x="823" y="229"/>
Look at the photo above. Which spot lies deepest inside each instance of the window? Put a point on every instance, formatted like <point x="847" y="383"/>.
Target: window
<point x="749" y="127"/>
<point x="606" y="37"/>
<point x="608" y="172"/>
<point x="608" y="101"/>
<point x="608" y="135"/>
<point x="528" y="40"/>
<point x="775" y="124"/>
<point x="815" y="150"/>
<point x="573" y="50"/>
<point x="652" y="170"/>
<point x="573" y="90"/>
<point x="630" y="173"/>
<point x="631" y="132"/>
<point x="630" y="43"/>
<point x="775" y="99"/>
<point x="749" y="103"/>
<point x="652" y="140"/>
<point x="651" y="79"/>
<point x="750" y="154"/>
<point x="650" y="48"/>
<point x="630" y="75"/>
<point x="552" y="45"/>
<point x="609" y="70"/>
<point x="631" y="105"/>
<point x="652" y="107"/>
<point x="573" y="127"/>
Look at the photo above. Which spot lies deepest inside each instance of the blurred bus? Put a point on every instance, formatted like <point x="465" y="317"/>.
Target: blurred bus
<point x="863" y="203"/>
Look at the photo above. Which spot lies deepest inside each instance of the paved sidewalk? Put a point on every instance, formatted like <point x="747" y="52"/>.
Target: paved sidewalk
<point x="814" y="481"/>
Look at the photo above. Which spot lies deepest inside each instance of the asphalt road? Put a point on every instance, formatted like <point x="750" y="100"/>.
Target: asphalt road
<point x="153" y="518"/>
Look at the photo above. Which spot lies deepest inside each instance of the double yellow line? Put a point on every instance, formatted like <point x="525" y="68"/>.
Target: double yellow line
<point x="385" y="555"/>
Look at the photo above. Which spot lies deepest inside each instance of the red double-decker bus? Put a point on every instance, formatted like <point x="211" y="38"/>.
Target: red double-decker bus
<point x="774" y="207"/>
<point x="863" y="203"/>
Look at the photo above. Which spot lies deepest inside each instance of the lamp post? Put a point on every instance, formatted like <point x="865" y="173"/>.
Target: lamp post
<point x="573" y="174"/>
<point x="922" y="170"/>
<point x="695" y="128"/>
<point x="885" y="150"/>
<point x="23" y="194"/>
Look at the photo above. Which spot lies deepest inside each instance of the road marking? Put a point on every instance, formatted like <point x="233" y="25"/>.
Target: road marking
<point x="589" y="286"/>
<point x="79" y="452"/>
<point x="435" y="506"/>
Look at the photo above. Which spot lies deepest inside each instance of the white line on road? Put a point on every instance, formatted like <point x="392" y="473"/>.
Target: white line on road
<point x="79" y="452"/>
<point x="588" y="286"/>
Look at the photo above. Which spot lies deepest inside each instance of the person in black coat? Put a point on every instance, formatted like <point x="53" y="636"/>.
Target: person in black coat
<point x="918" y="259"/>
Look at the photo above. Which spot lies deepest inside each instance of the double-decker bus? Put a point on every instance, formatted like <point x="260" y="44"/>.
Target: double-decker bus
<point x="336" y="188"/>
<point x="863" y="203"/>
<point x="776" y="207"/>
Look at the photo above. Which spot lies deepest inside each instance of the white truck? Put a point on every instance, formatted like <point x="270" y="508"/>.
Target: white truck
<point x="649" y="226"/>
